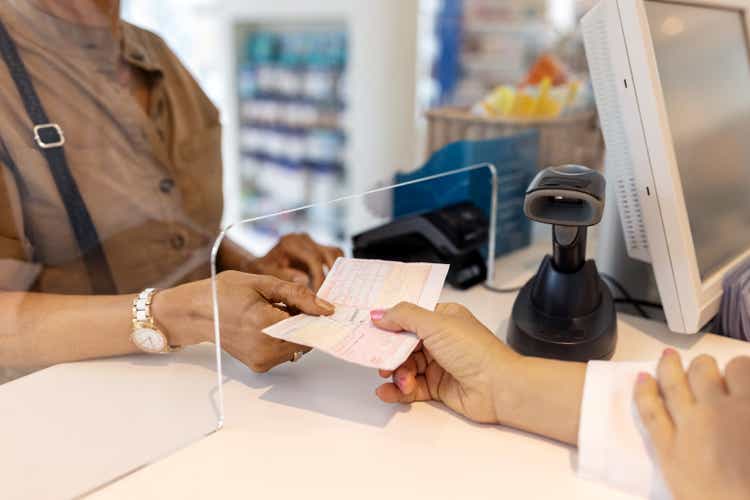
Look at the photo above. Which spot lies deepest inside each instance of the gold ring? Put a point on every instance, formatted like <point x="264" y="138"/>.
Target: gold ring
<point x="297" y="356"/>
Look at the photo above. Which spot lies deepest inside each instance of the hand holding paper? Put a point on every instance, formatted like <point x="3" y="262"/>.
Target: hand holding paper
<point x="355" y="287"/>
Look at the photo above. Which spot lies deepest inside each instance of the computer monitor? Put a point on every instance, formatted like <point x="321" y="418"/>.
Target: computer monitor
<point x="672" y="86"/>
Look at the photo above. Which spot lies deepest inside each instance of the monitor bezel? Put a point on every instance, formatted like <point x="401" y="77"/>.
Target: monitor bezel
<point x="698" y="299"/>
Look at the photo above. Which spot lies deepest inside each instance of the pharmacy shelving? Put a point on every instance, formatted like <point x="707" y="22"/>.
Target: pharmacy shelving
<point x="291" y="97"/>
<point x="357" y="140"/>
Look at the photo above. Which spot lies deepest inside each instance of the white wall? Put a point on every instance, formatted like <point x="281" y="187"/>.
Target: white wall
<point x="562" y="14"/>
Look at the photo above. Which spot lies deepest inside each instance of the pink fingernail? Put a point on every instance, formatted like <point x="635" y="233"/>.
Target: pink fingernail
<point x="377" y="314"/>
<point x="643" y="376"/>
<point x="669" y="352"/>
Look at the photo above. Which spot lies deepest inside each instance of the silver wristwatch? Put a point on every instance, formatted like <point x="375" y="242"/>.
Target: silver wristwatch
<point x="146" y="336"/>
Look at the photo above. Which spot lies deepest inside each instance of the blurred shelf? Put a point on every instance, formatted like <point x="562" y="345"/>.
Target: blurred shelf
<point x="291" y="99"/>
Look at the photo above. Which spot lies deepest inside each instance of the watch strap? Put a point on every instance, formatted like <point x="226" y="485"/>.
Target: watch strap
<point x="142" y="308"/>
<point x="142" y="317"/>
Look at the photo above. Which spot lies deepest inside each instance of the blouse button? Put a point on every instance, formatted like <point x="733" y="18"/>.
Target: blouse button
<point x="166" y="185"/>
<point x="177" y="241"/>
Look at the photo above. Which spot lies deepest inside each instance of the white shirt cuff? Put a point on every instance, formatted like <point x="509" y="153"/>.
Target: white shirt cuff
<point x="612" y="446"/>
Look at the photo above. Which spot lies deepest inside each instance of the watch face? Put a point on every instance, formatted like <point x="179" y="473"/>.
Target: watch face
<point x="149" y="340"/>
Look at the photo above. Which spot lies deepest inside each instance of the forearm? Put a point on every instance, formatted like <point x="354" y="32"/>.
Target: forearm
<point x="544" y="397"/>
<point x="46" y="329"/>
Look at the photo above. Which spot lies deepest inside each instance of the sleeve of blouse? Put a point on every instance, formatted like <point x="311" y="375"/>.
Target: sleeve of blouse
<point x="17" y="271"/>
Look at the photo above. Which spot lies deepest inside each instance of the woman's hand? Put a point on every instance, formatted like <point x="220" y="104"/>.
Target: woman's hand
<point x="699" y="425"/>
<point x="296" y="258"/>
<point x="462" y="364"/>
<point x="459" y="361"/>
<point x="247" y="304"/>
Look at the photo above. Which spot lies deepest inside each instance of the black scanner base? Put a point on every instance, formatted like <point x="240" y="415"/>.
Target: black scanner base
<point x="568" y="316"/>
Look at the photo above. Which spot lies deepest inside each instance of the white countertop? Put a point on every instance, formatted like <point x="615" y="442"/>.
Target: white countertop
<point x="316" y="428"/>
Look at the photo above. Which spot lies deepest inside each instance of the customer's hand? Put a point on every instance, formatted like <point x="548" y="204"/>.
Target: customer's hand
<point x="699" y="425"/>
<point x="459" y="361"/>
<point x="247" y="304"/>
<point x="297" y="258"/>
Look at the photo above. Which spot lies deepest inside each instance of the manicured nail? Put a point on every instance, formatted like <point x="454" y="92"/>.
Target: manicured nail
<point x="301" y="279"/>
<point x="377" y="314"/>
<point x="669" y="352"/>
<point x="642" y="377"/>
<point x="400" y="381"/>
<point x="323" y="304"/>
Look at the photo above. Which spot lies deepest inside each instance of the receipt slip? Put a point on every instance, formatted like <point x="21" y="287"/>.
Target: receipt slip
<point x="355" y="287"/>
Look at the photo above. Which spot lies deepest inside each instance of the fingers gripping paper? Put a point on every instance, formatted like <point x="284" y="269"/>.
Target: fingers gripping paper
<point x="355" y="287"/>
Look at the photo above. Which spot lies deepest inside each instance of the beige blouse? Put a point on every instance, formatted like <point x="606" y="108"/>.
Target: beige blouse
<point x="151" y="181"/>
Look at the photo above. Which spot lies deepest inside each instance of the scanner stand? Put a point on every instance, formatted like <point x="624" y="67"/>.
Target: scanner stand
<point x="565" y="311"/>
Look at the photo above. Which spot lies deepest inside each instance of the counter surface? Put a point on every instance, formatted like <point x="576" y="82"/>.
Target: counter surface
<point x="316" y="430"/>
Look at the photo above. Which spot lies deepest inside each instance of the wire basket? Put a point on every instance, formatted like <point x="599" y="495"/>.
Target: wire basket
<point x="574" y="138"/>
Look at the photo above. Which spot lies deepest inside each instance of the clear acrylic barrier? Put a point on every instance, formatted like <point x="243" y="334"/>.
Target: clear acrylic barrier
<point x="72" y="428"/>
<point x="131" y="199"/>
<point x="403" y="204"/>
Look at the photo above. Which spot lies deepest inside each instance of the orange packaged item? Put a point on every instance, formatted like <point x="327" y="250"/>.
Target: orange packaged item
<point x="547" y="66"/>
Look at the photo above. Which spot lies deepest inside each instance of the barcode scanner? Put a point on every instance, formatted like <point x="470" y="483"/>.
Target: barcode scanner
<point x="565" y="311"/>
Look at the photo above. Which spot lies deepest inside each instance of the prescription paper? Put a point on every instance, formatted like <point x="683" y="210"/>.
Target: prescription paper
<point x="355" y="287"/>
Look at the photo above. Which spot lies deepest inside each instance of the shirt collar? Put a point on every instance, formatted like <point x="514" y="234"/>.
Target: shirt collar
<point x="136" y="50"/>
<point x="69" y="39"/>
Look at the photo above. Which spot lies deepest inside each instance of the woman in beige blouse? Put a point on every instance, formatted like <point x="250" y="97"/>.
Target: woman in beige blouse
<point x="143" y="145"/>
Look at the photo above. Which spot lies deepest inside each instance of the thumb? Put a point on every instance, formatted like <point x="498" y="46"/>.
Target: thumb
<point x="407" y="317"/>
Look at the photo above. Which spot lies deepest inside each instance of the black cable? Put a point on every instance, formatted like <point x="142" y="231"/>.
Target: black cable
<point x="624" y="292"/>
<point x="628" y="299"/>
<point x="642" y="303"/>
<point x="501" y="290"/>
